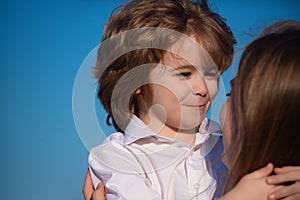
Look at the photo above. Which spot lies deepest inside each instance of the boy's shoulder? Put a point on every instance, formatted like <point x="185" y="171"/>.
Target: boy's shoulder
<point x="111" y="144"/>
<point x="113" y="155"/>
<point x="113" y="140"/>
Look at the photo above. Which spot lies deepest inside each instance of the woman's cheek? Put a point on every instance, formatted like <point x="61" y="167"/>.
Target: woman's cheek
<point x="225" y="117"/>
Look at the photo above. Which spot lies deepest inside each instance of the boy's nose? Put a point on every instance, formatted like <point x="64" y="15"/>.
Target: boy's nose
<point x="199" y="86"/>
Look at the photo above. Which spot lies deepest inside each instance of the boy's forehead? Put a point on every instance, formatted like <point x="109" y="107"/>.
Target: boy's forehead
<point x="188" y="52"/>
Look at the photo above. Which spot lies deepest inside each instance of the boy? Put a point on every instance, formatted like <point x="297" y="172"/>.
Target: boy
<point x="157" y="92"/>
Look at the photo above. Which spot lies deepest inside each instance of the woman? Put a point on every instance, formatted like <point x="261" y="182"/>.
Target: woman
<point x="264" y="108"/>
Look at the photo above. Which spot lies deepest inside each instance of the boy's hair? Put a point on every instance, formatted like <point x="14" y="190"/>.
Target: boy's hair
<point x="184" y="16"/>
<point x="266" y="103"/>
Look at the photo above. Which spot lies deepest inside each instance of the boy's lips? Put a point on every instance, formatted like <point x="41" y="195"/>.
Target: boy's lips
<point x="201" y="106"/>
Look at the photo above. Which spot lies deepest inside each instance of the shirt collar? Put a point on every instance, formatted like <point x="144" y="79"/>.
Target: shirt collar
<point x="137" y="129"/>
<point x="206" y="128"/>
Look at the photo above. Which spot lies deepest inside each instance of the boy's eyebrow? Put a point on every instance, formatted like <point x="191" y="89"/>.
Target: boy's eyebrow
<point x="184" y="67"/>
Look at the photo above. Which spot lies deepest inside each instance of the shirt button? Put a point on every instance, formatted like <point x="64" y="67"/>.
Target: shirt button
<point x="148" y="183"/>
<point x="197" y="186"/>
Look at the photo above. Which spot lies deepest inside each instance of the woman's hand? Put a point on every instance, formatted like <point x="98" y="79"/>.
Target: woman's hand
<point x="286" y="175"/>
<point x="88" y="190"/>
<point x="253" y="186"/>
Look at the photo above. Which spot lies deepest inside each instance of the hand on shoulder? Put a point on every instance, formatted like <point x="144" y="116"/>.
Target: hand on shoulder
<point x="290" y="176"/>
<point x="88" y="190"/>
<point x="253" y="186"/>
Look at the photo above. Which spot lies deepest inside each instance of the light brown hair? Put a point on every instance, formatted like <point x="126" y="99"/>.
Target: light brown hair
<point x="266" y="103"/>
<point x="184" y="16"/>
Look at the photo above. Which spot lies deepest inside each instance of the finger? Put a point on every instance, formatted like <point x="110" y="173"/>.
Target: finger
<point x="99" y="193"/>
<point x="284" y="177"/>
<point x="88" y="188"/>
<point x="100" y="187"/>
<point x="278" y="170"/>
<point x="285" y="192"/>
<point x="294" y="197"/>
<point x="262" y="172"/>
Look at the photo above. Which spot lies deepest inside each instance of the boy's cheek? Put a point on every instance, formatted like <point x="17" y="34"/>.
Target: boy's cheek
<point x="213" y="88"/>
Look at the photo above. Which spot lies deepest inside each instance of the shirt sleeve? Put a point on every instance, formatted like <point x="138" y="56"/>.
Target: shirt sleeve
<point x="122" y="174"/>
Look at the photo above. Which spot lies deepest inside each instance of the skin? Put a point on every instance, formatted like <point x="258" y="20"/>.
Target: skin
<point x="182" y="93"/>
<point x="89" y="192"/>
<point x="88" y="188"/>
<point x="253" y="185"/>
<point x="225" y="114"/>
<point x="286" y="174"/>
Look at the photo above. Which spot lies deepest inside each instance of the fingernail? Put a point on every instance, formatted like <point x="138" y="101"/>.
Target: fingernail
<point x="270" y="165"/>
<point x="269" y="180"/>
<point x="272" y="197"/>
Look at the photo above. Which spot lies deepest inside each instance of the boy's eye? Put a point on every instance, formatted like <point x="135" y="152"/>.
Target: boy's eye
<point x="211" y="74"/>
<point x="184" y="74"/>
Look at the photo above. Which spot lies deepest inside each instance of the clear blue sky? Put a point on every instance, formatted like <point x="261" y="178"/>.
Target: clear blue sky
<point x="43" y="44"/>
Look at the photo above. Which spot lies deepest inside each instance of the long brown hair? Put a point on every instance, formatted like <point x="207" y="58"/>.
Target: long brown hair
<point x="266" y="103"/>
<point x="184" y="16"/>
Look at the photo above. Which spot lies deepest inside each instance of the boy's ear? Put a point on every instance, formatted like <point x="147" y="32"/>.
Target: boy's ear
<point x="138" y="91"/>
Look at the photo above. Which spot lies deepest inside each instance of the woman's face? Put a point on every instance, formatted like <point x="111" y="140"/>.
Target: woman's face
<point x="225" y="120"/>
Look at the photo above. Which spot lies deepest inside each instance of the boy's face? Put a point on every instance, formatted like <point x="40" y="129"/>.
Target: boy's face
<point x="183" y="91"/>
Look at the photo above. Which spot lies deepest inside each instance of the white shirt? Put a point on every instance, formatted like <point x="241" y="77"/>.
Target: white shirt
<point x="142" y="165"/>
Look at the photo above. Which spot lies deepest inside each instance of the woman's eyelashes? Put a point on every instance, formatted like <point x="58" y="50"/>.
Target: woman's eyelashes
<point x="231" y="86"/>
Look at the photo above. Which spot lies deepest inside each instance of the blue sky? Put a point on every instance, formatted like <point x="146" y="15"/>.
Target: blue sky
<point x="43" y="44"/>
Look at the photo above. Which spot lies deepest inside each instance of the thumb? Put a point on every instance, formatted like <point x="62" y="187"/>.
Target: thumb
<point x="262" y="172"/>
<point x="99" y="193"/>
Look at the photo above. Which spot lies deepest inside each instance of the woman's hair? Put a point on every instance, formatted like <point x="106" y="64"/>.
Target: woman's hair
<point x="266" y="103"/>
<point x="184" y="16"/>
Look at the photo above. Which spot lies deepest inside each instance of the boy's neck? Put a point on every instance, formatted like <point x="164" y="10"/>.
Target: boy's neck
<point x="187" y="137"/>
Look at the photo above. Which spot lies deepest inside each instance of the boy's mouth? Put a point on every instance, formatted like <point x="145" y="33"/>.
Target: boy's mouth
<point x="200" y="106"/>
